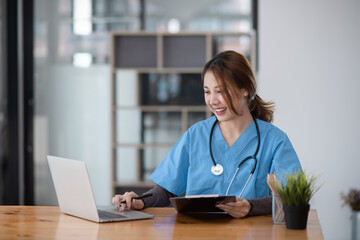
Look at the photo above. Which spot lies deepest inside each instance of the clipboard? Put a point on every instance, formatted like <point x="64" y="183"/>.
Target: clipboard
<point x="200" y="203"/>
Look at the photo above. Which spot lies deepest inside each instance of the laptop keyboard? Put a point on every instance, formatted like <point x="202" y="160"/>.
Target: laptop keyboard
<point x="109" y="215"/>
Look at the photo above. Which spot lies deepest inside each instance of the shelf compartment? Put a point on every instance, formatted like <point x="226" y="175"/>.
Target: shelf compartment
<point x="136" y="127"/>
<point x="135" y="51"/>
<point x="171" y="89"/>
<point x="126" y="165"/>
<point x="184" y="51"/>
<point x="135" y="164"/>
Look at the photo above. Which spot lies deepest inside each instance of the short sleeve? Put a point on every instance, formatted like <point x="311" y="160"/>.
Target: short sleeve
<point x="172" y="172"/>
<point x="285" y="159"/>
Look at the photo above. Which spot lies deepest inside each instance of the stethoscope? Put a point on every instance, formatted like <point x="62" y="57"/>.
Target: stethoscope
<point x="217" y="169"/>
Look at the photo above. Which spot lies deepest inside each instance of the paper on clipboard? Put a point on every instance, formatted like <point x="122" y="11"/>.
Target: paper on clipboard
<point x="200" y="203"/>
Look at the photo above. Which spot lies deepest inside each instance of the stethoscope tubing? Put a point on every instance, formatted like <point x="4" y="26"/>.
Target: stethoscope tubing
<point x="243" y="161"/>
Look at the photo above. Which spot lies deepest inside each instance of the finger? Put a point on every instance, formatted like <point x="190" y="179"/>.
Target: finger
<point x="137" y="204"/>
<point x="227" y="210"/>
<point x="240" y="203"/>
<point x="128" y="197"/>
<point x="125" y="201"/>
<point x="122" y="207"/>
<point x="116" y="200"/>
<point x="221" y="209"/>
<point x="234" y="211"/>
<point x="222" y="206"/>
<point x="234" y="204"/>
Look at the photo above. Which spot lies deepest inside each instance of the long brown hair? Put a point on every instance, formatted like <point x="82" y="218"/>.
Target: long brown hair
<point x="233" y="73"/>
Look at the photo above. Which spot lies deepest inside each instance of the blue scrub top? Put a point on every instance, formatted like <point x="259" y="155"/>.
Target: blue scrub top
<point x="187" y="167"/>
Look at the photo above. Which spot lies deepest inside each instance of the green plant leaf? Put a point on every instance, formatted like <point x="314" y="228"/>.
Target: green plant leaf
<point x="298" y="189"/>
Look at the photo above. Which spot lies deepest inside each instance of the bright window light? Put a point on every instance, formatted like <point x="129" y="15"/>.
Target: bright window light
<point x="82" y="60"/>
<point x="174" y="25"/>
<point x="82" y="17"/>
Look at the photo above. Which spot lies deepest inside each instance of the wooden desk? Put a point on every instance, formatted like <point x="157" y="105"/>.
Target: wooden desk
<point x="40" y="222"/>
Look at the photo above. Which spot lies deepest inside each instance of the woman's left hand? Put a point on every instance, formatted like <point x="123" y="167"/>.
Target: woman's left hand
<point x="239" y="209"/>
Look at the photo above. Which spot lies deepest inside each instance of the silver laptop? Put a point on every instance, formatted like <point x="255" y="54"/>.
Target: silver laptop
<point x="75" y="195"/>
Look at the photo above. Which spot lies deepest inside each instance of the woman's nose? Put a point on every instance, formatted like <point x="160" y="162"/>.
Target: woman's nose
<point x="213" y="99"/>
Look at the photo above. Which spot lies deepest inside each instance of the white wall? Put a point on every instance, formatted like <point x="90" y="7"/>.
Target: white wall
<point x="73" y="121"/>
<point x="310" y="66"/>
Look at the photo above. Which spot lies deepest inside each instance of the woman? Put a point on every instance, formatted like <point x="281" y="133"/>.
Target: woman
<point x="240" y="128"/>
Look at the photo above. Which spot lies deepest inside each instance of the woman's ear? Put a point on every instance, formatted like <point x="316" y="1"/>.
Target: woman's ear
<point x="245" y="93"/>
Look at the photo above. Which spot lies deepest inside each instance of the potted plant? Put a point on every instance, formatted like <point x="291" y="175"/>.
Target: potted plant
<point x="295" y="193"/>
<point x="353" y="200"/>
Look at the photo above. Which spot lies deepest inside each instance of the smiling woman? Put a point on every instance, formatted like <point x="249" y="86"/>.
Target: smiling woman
<point x="235" y="132"/>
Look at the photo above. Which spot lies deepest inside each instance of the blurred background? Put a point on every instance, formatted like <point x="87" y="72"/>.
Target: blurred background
<point x="56" y="89"/>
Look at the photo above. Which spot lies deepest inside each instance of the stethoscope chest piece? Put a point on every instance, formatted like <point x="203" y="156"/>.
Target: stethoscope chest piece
<point x="217" y="169"/>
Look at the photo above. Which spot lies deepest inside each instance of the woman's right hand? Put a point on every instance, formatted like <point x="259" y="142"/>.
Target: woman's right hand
<point x="131" y="203"/>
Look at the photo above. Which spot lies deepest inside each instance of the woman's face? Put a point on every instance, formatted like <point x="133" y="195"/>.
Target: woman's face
<point x="215" y="101"/>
